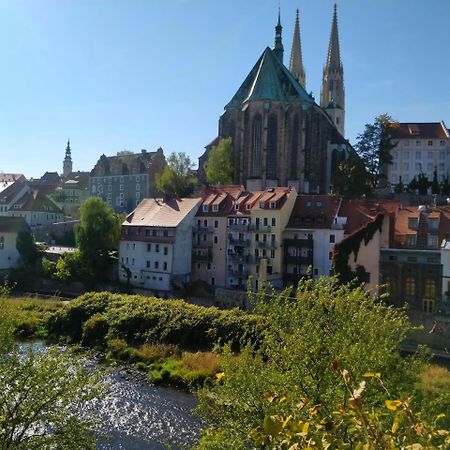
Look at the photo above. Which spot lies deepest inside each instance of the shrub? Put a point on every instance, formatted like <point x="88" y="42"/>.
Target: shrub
<point x="95" y="330"/>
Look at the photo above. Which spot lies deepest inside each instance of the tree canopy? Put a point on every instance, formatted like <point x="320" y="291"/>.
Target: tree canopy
<point x="374" y="146"/>
<point x="317" y="341"/>
<point x="220" y="168"/>
<point x="176" y="177"/>
<point x="26" y="247"/>
<point x="43" y="397"/>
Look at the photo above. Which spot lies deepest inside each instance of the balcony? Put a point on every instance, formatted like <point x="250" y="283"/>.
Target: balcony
<point x="294" y="259"/>
<point x="239" y="242"/>
<point x="202" y="244"/>
<point x="202" y="229"/>
<point x="238" y="227"/>
<point x="258" y="228"/>
<point x="238" y="258"/>
<point x="299" y="243"/>
<point x="240" y="273"/>
<point x="204" y="256"/>
<point x="266" y="244"/>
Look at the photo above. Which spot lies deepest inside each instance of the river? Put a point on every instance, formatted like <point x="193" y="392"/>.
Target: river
<point x="137" y="415"/>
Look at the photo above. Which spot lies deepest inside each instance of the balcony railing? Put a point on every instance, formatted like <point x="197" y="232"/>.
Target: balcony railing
<point x="260" y="228"/>
<point x="202" y="244"/>
<point x="294" y="259"/>
<point x="266" y="244"/>
<point x="203" y="229"/>
<point x="236" y="257"/>
<point x="239" y="242"/>
<point x="241" y="273"/>
<point x="202" y="256"/>
<point x="238" y="227"/>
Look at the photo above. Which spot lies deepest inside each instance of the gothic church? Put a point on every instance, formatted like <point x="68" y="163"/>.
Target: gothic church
<point x="281" y="137"/>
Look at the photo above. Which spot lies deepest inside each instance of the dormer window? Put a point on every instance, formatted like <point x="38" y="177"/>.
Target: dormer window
<point x="319" y="204"/>
<point x="236" y="207"/>
<point x="272" y="205"/>
<point x="261" y="205"/>
<point x="205" y="208"/>
<point x="215" y="208"/>
<point x="308" y="204"/>
<point x="248" y="207"/>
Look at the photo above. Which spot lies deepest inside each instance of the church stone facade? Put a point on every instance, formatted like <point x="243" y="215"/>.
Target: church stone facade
<point x="281" y="137"/>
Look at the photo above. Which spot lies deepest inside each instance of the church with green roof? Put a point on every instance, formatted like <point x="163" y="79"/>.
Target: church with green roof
<point x="280" y="135"/>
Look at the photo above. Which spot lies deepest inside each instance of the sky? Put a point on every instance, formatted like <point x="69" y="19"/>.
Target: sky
<point x="116" y="75"/>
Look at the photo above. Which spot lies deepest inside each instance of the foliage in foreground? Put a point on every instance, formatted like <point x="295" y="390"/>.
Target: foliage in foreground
<point x="42" y="397"/>
<point x="326" y="326"/>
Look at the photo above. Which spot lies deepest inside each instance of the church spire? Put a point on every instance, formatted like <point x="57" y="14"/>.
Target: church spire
<point x="334" y="54"/>
<point x="296" y="63"/>
<point x="332" y="94"/>
<point x="278" y="46"/>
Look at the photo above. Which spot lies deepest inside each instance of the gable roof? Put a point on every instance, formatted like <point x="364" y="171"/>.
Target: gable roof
<point x="424" y="130"/>
<point x="39" y="202"/>
<point x="152" y="212"/>
<point x="269" y="80"/>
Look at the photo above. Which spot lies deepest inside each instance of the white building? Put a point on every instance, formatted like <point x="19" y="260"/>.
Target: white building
<point x="422" y="148"/>
<point x="12" y="188"/>
<point x="155" y="249"/>
<point x="9" y="228"/>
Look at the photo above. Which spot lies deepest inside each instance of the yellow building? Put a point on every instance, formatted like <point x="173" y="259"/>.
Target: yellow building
<point x="270" y="211"/>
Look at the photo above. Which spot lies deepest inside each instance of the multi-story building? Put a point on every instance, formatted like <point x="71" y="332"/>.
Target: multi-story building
<point x="422" y="148"/>
<point x="309" y="238"/>
<point x="127" y="178"/>
<point x="210" y="238"/>
<point x="9" y="229"/>
<point x="73" y="191"/>
<point x="412" y="268"/>
<point x="155" y="248"/>
<point x="270" y="211"/>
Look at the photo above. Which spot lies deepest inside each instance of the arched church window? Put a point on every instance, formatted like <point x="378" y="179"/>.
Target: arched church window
<point x="256" y="146"/>
<point x="272" y="131"/>
<point x="294" y="149"/>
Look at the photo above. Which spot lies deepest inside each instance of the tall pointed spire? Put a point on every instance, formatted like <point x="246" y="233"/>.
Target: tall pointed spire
<point x="278" y="48"/>
<point x="334" y="54"/>
<point x="332" y="94"/>
<point x="67" y="163"/>
<point x="296" y="63"/>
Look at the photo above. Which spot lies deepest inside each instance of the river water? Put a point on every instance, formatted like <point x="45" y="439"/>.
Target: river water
<point x="136" y="415"/>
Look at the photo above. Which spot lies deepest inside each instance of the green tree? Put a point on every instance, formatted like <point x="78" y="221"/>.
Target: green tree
<point x="27" y="248"/>
<point x="374" y="146"/>
<point x="219" y="167"/>
<point x="43" y="397"/>
<point x="97" y="234"/>
<point x="435" y="186"/>
<point x="445" y="185"/>
<point x="422" y="184"/>
<point x="324" y="326"/>
<point x="176" y="177"/>
<point x="350" y="179"/>
<point x="400" y="187"/>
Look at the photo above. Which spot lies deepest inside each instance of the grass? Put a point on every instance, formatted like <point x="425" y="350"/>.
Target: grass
<point x="29" y="314"/>
<point x="435" y="380"/>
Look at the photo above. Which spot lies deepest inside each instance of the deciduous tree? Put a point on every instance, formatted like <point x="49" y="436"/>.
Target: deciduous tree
<point x="176" y="178"/>
<point x="219" y="167"/>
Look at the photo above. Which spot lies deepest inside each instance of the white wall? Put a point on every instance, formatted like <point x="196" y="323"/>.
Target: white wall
<point x="9" y="256"/>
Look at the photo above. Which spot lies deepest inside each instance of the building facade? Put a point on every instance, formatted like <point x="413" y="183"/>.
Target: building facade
<point x="125" y="179"/>
<point x="9" y="229"/>
<point x="155" y="249"/>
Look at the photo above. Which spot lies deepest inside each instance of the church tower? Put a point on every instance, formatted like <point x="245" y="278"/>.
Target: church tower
<point x="278" y="48"/>
<point x="296" y="63"/>
<point x="67" y="163"/>
<point x="332" y="95"/>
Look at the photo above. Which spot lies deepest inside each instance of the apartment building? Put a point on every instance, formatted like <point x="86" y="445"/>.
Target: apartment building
<point x="155" y="248"/>
<point x="421" y="148"/>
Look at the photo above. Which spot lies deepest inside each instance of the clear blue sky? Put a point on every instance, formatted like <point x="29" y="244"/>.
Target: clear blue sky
<point x="132" y="74"/>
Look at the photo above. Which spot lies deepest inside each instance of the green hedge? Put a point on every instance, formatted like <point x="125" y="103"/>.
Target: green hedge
<point x="94" y="317"/>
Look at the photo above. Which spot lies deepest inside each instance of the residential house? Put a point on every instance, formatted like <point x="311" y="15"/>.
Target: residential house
<point x="12" y="188"/>
<point x="155" y="249"/>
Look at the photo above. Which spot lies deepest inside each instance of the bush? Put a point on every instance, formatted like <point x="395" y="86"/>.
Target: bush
<point x="95" y="330"/>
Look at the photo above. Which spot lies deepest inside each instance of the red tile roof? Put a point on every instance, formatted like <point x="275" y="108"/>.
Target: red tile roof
<point x="428" y="130"/>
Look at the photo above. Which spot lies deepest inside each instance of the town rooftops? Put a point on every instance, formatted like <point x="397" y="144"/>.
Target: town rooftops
<point x="37" y="201"/>
<point x="420" y="130"/>
<point x="152" y="212"/>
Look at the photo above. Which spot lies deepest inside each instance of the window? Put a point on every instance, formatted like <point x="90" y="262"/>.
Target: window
<point x="330" y="256"/>
<point x="236" y="206"/>
<point x="216" y="240"/>
<point x="132" y="261"/>
<point x="332" y="238"/>
<point x="121" y="195"/>
<point x="166" y="250"/>
<point x="248" y="206"/>
<point x="2" y="242"/>
<point x="418" y="167"/>
<point x="319" y="204"/>
<point x="432" y="240"/>
<point x="413" y="222"/>
<point x="156" y="264"/>
<point x="205" y="208"/>
<point x="441" y="155"/>
<point x="166" y="233"/>
<point x="442" y="143"/>
<point x="418" y="143"/>
<point x="272" y="205"/>
<point x="213" y="281"/>
<point x="205" y="223"/>
<point x="121" y="187"/>
<point x="265" y="221"/>
<point x="165" y="266"/>
<point x="256" y="237"/>
<point x="411" y="240"/>
<point x="138" y="187"/>
<point x="429" y="289"/>
<point x="272" y="253"/>
<point x="308" y="204"/>
<point x="261" y="205"/>
<point x="428" y="305"/>
<point x="216" y="224"/>
<point x="157" y="248"/>
<point x="430" y="143"/>
<point x="215" y="208"/>
<point x="430" y="155"/>
<point x="410" y="286"/>
<point x="148" y="264"/>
